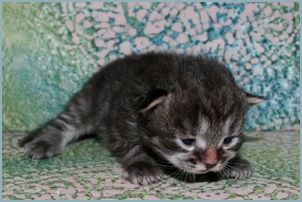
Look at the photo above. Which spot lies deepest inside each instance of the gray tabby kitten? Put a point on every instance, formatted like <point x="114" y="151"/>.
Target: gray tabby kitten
<point x="185" y="109"/>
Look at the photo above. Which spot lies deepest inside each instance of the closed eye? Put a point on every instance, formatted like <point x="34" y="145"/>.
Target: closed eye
<point x="188" y="141"/>
<point x="230" y="142"/>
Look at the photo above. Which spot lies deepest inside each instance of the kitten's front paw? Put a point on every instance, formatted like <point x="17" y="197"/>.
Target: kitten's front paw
<point x="240" y="174"/>
<point x="142" y="173"/>
<point x="40" y="149"/>
<point x="239" y="170"/>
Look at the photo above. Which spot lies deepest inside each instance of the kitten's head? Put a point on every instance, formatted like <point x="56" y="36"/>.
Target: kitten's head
<point x="198" y="125"/>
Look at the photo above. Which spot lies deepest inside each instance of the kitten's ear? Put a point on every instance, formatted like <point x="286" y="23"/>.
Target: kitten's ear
<point x="151" y="100"/>
<point x="253" y="99"/>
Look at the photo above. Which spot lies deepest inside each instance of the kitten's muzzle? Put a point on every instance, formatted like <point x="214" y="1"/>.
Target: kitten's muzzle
<point x="209" y="157"/>
<point x="209" y="166"/>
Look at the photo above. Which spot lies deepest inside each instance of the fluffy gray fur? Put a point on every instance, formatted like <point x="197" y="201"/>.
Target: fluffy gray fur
<point x="186" y="110"/>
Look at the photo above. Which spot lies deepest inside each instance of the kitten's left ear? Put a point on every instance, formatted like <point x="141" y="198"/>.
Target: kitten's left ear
<point x="253" y="99"/>
<point x="152" y="99"/>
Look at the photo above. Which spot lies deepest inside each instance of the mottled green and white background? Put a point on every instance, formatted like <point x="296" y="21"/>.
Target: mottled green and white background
<point x="51" y="49"/>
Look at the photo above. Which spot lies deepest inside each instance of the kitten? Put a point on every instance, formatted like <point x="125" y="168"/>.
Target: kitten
<point x="187" y="109"/>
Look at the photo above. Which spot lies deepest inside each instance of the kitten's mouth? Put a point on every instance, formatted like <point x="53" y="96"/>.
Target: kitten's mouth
<point x="202" y="172"/>
<point x="216" y="168"/>
<point x="197" y="171"/>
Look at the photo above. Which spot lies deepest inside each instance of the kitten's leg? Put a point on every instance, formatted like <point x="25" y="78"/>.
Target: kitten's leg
<point x="238" y="169"/>
<point x="51" y="138"/>
<point x="139" y="168"/>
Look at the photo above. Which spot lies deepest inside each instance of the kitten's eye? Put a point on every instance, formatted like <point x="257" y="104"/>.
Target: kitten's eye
<point x="188" y="141"/>
<point x="227" y="140"/>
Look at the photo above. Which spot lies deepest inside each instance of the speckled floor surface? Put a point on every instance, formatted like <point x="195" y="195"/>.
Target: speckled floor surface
<point x="86" y="171"/>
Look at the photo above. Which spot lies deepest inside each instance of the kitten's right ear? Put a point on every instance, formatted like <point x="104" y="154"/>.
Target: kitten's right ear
<point x="147" y="102"/>
<point x="253" y="99"/>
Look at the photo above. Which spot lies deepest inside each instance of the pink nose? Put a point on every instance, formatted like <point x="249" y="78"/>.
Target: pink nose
<point x="210" y="157"/>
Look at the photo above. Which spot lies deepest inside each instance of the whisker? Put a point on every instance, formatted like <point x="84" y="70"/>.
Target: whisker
<point x="194" y="177"/>
<point x="182" y="174"/>
<point x="175" y="173"/>
<point x="166" y="166"/>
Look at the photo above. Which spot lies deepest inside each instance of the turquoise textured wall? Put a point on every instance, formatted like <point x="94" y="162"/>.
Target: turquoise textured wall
<point x="51" y="49"/>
